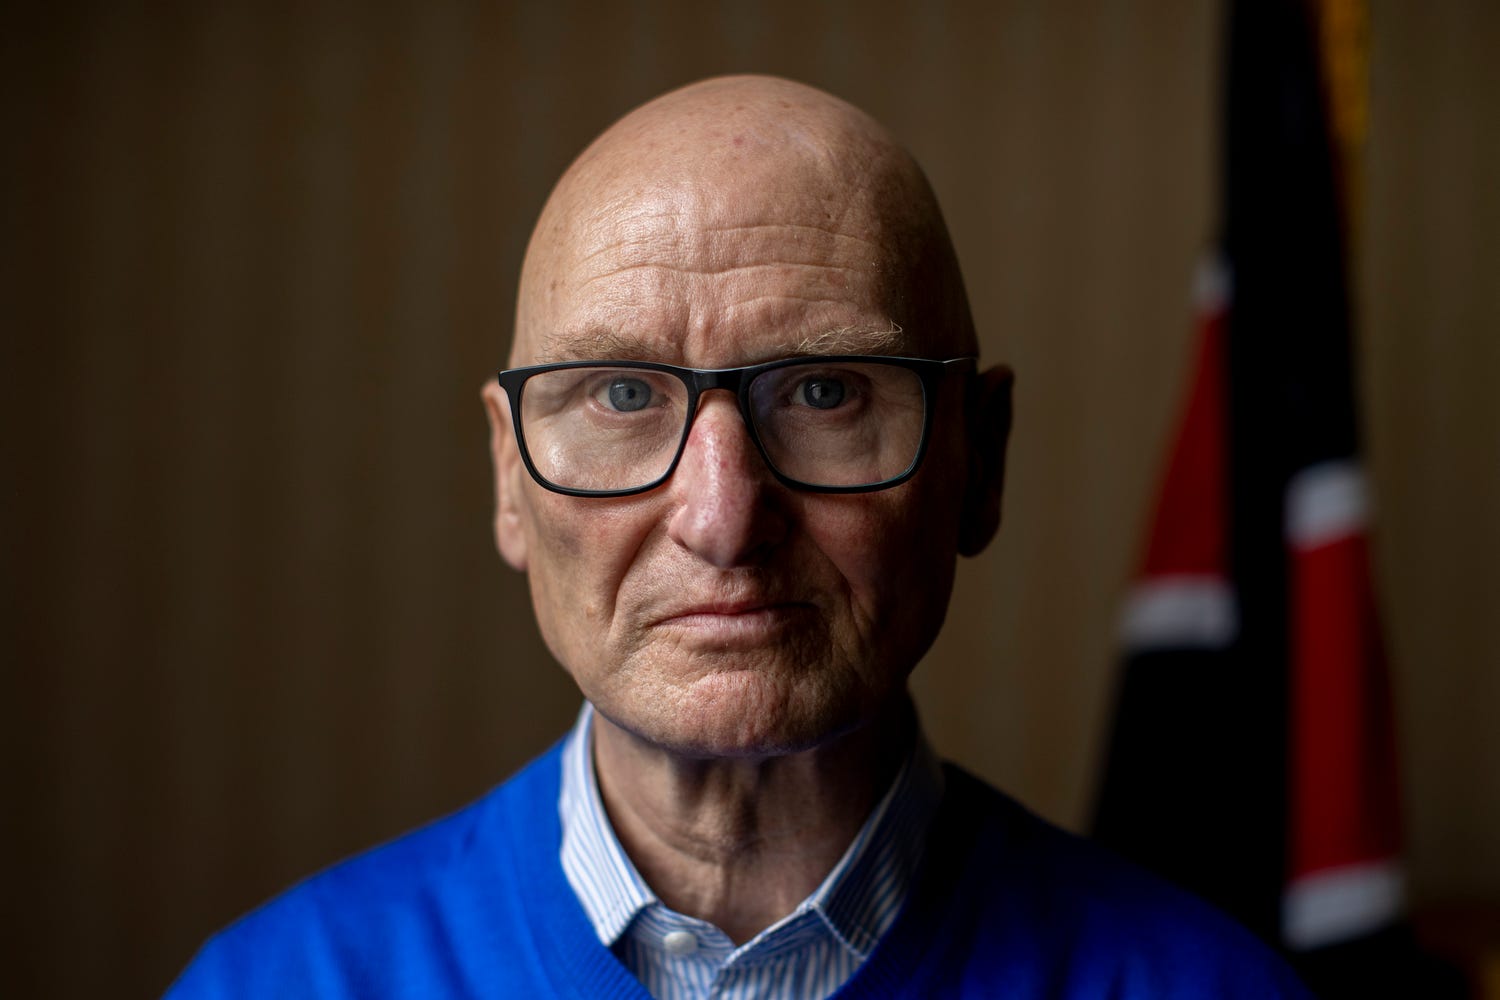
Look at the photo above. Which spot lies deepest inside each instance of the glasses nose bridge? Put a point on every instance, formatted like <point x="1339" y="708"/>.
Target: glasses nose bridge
<point x="731" y="380"/>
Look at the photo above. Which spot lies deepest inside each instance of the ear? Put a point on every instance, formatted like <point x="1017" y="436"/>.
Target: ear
<point x="989" y="416"/>
<point x="510" y="534"/>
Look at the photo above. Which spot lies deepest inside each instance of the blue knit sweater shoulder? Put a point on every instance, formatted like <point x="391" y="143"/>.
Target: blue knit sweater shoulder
<point x="476" y="905"/>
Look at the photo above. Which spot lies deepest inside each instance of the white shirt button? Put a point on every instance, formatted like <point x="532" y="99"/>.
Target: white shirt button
<point x="679" y="943"/>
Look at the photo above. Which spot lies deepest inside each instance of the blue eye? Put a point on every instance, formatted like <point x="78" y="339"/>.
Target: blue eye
<point x="629" y="394"/>
<point x="821" y="393"/>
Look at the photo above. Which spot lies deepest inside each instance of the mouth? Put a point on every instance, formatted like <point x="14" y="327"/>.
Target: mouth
<point x="736" y="622"/>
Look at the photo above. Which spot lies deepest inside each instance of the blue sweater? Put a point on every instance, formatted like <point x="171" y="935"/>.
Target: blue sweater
<point x="476" y="905"/>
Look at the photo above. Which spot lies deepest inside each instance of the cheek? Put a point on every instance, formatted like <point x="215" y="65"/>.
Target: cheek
<point x="895" y="551"/>
<point x="577" y="535"/>
<point x="580" y="551"/>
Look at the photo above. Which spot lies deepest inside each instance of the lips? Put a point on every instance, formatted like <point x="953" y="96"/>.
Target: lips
<point x="743" y="618"/>
<point x="730" y="608"/>
<point x="733" y="609"/>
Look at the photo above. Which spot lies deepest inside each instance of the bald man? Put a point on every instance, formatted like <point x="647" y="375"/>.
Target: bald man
<point x="742" y="441"/>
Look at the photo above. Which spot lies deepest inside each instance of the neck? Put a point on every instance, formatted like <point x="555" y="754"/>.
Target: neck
<point x="741" y="842"/>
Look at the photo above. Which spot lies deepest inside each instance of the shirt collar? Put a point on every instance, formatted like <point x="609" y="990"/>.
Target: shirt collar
<point x="858" y="900"/>
<point x="603" y="878"/>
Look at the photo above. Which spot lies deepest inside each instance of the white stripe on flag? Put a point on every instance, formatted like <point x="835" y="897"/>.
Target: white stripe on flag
<point x="1181" y="611"/>
<point x="1211" y="285"/>
<point x="1338" y="904"/>
<point x="1326" y="502"/>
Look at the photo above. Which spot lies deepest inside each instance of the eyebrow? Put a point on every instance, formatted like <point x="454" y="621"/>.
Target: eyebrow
<point x="606" y="345"/>
<point x="851" y="340"/>
<point x="597" y="345"/>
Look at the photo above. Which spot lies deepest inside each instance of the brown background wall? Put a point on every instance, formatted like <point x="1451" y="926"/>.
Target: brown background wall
<point x="256" y="260"/>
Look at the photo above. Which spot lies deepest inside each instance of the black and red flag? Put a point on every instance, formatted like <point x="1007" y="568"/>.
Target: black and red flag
<point x="1252" y="757"/>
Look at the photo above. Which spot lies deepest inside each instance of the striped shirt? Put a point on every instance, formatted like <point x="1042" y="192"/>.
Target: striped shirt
<point x="806" y="955"/>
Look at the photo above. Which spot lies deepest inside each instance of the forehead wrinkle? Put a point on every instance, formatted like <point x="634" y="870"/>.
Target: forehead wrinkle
<point x="818" y="259"/>
<point x="641" y="229"/>
<point x="777" y="265"/>
<point x="823" y="231"/>
<point x="612" y="228"/>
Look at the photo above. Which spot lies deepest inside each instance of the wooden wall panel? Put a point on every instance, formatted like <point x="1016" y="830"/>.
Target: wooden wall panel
<point x="1431" y="302"/>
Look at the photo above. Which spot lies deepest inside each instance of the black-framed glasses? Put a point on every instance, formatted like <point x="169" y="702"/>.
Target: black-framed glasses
<point x="829" y="424"/>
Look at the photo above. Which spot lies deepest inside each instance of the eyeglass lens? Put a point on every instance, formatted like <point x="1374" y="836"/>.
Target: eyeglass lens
<point x="835" y="424"/>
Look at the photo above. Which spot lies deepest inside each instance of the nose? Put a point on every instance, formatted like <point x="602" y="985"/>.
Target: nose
<point x="727" y="510"/>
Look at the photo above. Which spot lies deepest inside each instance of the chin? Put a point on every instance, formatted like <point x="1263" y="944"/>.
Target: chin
<point x="742" y="714"/>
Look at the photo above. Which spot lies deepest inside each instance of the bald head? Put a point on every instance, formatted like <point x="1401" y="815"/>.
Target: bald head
<point x="740" y="177"/>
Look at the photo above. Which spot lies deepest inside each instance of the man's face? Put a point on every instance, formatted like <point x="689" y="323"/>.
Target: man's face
<point x="723" y="613"/>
